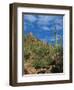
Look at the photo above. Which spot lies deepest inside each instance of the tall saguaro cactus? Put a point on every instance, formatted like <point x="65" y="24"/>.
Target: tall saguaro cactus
<point x="55" y="34"/>
<point x="56" y="25"/>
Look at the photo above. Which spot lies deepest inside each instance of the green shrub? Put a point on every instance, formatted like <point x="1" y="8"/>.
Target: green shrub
<point x="39" y="64"/>
<point x="49" y="60"/>
<point x="41" y="54"/>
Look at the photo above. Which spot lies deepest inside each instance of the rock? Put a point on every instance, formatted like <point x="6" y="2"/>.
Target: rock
<point x="41" y="70"/>
<point x="49" y="69"/>
<point x="29" y="69"/>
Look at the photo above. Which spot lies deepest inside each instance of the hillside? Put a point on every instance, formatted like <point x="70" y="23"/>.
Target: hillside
<point x="40" y="57"/>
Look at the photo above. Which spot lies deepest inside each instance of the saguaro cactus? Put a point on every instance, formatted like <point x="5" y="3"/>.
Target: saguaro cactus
<point x="55" y="35"/>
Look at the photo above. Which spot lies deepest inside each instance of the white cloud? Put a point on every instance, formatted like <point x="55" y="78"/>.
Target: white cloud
<point x="44" y="20"/>
<point x="46" y="28"/>
<point x="59" y="20"/>
<point x="58" y="27"/>
<point x="30" y="18"/>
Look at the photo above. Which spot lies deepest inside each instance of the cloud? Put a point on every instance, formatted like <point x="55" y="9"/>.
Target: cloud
<point x="49" y="22"/>
<point x="59" y="21"/>
<point x="46" y="28"/>
<point x="43" y="26"/>
<point x="58" y="27"/>
<point x="30" y="18"/>
<point x="44" y="20"/>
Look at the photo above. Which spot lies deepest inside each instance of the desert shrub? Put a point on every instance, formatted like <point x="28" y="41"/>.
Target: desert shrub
<point x="42" y="54"/>
<point x="26" y="54"/>
<point x="58" y="49"/>
<point x="49" y="60"/>
<point x="59" y="62"/>
<point x="39" y="64"/>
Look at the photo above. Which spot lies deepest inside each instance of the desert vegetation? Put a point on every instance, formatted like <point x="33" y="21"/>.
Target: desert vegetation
<point x="42" y="57"/>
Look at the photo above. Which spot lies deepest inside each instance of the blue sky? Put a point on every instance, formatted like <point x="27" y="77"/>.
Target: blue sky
<point x="43" y="26"/>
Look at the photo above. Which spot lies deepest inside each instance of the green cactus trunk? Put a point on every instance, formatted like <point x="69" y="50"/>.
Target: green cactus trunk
<point x="55" y="34"/>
